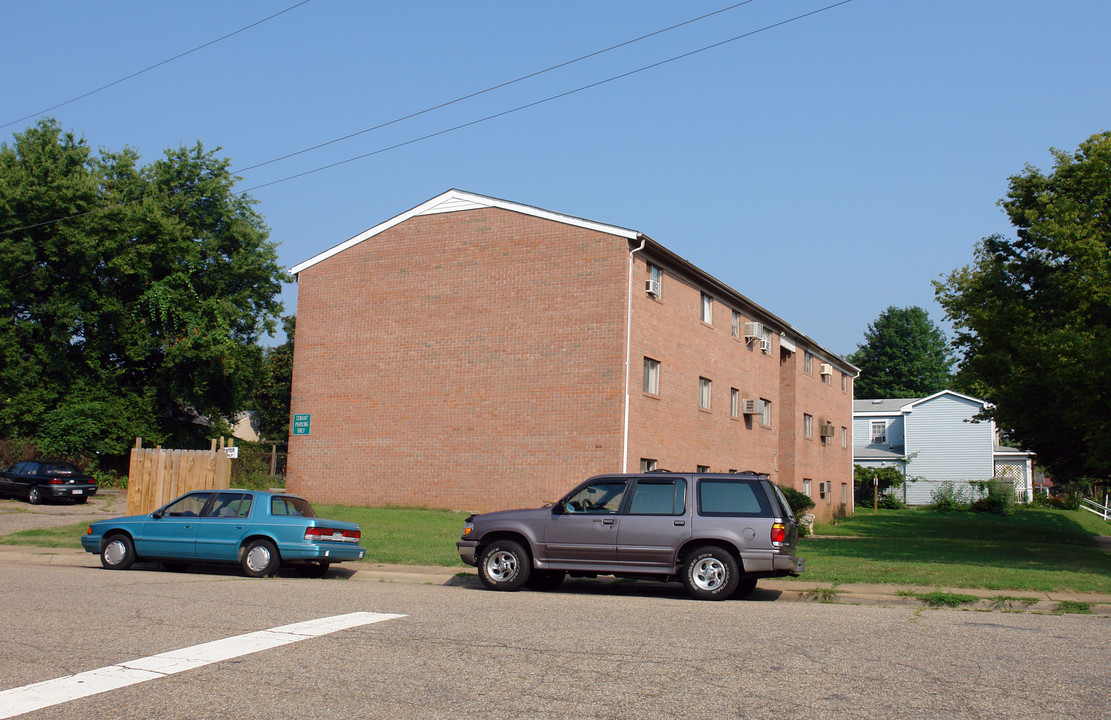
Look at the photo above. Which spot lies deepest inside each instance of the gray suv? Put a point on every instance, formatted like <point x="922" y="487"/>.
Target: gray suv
<point x="716" y="533"/>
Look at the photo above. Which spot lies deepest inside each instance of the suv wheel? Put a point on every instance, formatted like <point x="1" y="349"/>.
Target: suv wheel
<point x="711" y="573"/>
<point x="504" y="565"/>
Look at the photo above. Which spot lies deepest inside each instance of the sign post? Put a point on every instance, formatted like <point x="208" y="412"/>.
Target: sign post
<point x="875" y="494"/>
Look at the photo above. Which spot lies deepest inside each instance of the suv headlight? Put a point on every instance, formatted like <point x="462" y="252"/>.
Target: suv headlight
<point x="467" y="527"/>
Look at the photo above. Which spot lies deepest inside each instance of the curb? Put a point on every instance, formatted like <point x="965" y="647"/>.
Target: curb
<point x="768" y="590"/>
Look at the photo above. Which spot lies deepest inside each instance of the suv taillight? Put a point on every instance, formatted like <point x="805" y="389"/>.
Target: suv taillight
<point x="779" y="533"/>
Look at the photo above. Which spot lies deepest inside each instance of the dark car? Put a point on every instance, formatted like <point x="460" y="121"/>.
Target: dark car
<point x="260" y="531"/>
<point x="39" y="480"/>
<point x="716" y="533"/>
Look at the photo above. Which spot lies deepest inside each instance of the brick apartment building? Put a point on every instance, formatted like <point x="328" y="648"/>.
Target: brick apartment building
<point x="478" y="354"/>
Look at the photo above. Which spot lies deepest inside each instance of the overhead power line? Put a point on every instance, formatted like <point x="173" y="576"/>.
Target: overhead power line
<point x="156" y="65"/>
<point x="479" y="120"/>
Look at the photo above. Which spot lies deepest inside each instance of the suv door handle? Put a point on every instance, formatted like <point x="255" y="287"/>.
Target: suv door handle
<point x="680" y="523"/>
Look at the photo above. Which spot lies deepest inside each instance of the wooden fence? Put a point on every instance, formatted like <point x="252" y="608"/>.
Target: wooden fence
<point x="157" y="476"/>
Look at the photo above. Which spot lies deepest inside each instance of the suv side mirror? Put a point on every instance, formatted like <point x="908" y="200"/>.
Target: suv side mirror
<point x="558" y="508"/>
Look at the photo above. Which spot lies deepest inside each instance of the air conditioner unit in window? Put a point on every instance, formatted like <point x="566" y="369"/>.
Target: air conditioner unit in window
<point x="765" y="346"/>
<point x="750" y="407"/>
<point x="753" y="330"/>
<point x="652" y="287"/>
<point x="827" y="369"/>
<point x="827" y="430"/>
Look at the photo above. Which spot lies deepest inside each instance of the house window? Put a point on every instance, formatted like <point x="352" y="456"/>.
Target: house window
<point x="707" y="309"/>
<point x="844" y="382"/>
<point x="808" y="363"/>
<point x="844" y="493"/>
<point x="822" y="491"/>
<point x="806" y="487"/>
<point x="651" y="376"/>
<point x="704" y="388"/>
<point x="648" y="464"/>
<point x="844" y="436"/>
<point x="734" y="402"/>
<point x="736" y="324"/>
<point x="879" y="431"/>
<point x="807" y="426"/>
<point x="655" y="282"/>
<point x="765" y="412"/>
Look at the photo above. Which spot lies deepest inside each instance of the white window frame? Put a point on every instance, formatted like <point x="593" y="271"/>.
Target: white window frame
<point x="734" y="402"/>
<point x="648" y="464"/>
<point x="707" y="309"/>
<point x="705" y="392"/>
<point x="807" y="425"/>
<point x="765" y="412"/>
<point x="808" y="363"/>
<point x="882" y="436"/>
<point x="651" y="383"/>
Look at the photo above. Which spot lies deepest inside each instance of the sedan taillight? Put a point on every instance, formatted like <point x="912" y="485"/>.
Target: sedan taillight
<point x="779" y="533"/>
<point x="333" y="534"/>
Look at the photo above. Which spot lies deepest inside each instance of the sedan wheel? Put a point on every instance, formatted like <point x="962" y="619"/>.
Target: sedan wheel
<point x="34" y="496"/>
<point x="117" y="553"/>
<point x="260" y="559"/>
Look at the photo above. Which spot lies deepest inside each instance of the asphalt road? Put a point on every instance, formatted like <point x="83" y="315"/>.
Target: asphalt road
<point x="604" y="651"/>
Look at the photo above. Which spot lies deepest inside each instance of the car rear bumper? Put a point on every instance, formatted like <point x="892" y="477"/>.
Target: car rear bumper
<point x="320" y="552"/>
<point x="467" y="550"/>
<point x="67" y="491"/>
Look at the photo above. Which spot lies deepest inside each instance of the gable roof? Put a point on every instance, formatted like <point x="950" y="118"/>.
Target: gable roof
<point x="458" y="200"/>
<point x="896" y="406"/>
<point x="454" y="201"/>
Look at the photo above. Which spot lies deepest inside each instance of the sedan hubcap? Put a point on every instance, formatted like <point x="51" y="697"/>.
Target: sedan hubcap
<point x="501" y="566"/>
<point x="115" y="552"/>
<point x="258" y="559"/>
<point x="708" y="573"/>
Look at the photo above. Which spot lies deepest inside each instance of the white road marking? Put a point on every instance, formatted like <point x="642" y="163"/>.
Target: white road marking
<point x="55" y="692"/>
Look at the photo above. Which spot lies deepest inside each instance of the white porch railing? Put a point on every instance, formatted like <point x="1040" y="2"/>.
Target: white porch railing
<point x="1104" y="510"/>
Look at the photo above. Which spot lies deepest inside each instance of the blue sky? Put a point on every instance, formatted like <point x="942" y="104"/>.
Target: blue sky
<point x="826" y="168"/>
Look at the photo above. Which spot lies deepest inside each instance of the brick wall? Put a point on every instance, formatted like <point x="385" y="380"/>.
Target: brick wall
<point x="470" y="360"/>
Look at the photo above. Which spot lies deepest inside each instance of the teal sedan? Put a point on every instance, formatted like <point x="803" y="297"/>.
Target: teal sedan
<point x="259" y="531"/>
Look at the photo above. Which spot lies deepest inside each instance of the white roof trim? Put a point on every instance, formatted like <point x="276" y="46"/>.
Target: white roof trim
<point x="910" y="406"/>
<point x="456" y="201"/>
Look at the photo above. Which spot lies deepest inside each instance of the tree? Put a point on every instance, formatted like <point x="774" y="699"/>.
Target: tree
<point x="273" y="391"/>
<point x="904" y="355"/>
<point x="132" y="297"/>
<point x="1032" y="313"/>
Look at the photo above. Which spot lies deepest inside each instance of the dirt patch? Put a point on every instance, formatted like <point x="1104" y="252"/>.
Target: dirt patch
<point x="18" y="514"/>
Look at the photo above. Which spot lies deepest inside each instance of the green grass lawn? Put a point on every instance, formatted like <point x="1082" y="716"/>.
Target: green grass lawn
<point x="1032" y="549"/>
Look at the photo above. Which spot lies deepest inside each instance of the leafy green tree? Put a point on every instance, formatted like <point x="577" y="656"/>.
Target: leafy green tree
<point x="904" y="355"/>
<point x="1033" y="313"/>
<point x="132" y="297"/>
<point x="273" y="391"/>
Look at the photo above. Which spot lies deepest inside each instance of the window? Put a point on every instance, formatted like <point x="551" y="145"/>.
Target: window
<point x="704" y="392"/>
<point x="703" y="468"/>
<point x="806" y="489"/>
<point x="598" y="498"/>
<point x="844" y="382"/>
<point x="844" y="493"/>
<point x="651" y="376"/>
<point x="808" y="363"/>
<point x="765" y="412"/>
<point x="807" y="426"/>
<point x="230" y="505"/>
<point x="189" y="506"/>
<point x="659" y="497"/>
<point x="827" y="378"/>
<point x="648" y="464"/>
<point x="727" y="497"/>
<point x="879" y="431"/>
<point x="736" y="324"/>
<point x="844" y="436"/>
<point x="655" y="282"/>
<point x="734" y="402"/>
<point x="707" y="309"/>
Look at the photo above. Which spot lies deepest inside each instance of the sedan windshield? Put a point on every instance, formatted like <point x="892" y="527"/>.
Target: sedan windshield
<point x="288" y="505"/>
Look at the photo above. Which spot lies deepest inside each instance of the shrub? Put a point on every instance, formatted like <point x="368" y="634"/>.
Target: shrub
<point x="949" y="498"/>
<point x="998" y="497"/>
<point x="798" y="501"/>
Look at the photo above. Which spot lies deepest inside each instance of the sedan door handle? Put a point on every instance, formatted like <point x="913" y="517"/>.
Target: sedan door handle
<point x="607" y="521"/>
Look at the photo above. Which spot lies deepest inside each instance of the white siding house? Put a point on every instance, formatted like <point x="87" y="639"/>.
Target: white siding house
<point x="934" y="440"/>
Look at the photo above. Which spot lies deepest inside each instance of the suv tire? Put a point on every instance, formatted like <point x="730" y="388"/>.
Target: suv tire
<point x="711" y="573"/>
<point x="504" y="565"/>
